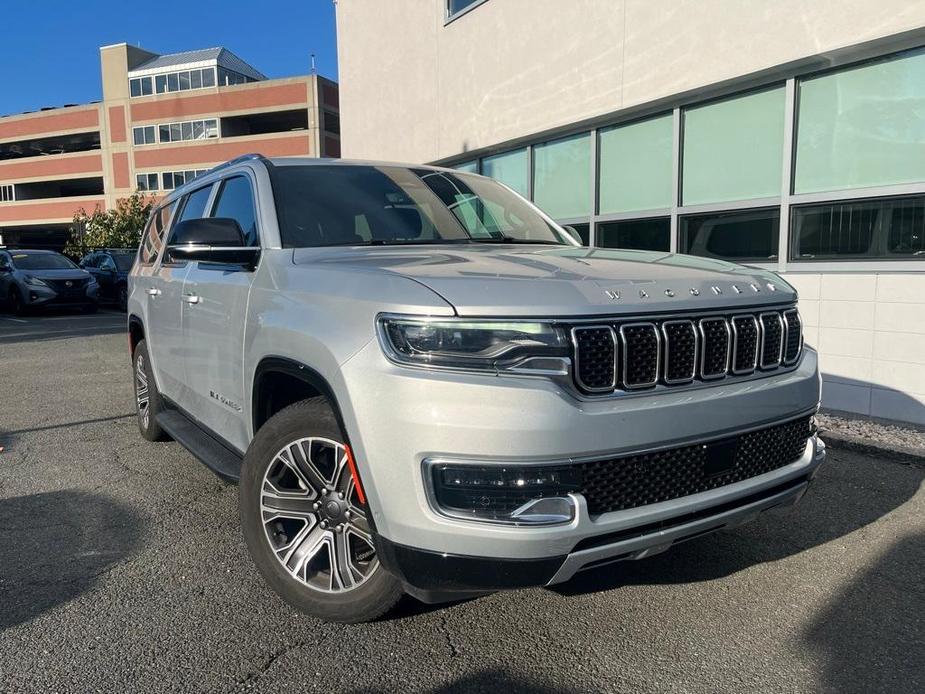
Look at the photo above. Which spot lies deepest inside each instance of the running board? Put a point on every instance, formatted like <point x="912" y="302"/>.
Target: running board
<point x="213" y="454"/>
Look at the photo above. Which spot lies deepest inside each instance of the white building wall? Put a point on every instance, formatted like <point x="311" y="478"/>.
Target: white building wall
<point x="870" y="331"/>
<point x="414" y="89"/>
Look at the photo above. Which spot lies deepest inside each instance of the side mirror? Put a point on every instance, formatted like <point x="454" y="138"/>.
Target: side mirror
<point x="213" y="240"/>
<point x="573" y="232"/>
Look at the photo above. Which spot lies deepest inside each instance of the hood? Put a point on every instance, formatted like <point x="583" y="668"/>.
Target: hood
<point x="488" y="280"/>
<point x="64" y="274"/>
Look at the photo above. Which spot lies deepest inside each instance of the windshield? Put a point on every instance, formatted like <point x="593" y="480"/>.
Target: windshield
<point x="123" y="261"/>
<point x="377" y="205"/>
<point x="42" y="261"/>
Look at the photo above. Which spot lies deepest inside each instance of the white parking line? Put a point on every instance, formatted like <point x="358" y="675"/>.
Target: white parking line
<point x="15" y="320"/>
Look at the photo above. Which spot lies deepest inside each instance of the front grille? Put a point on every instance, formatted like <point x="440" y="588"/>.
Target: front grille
<point x="677" y="350"/>
<point x="628" y="482"/>
<point x="61" y="288"/>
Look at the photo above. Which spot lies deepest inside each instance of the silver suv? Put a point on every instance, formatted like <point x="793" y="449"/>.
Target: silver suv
<point x="425" y="385"/>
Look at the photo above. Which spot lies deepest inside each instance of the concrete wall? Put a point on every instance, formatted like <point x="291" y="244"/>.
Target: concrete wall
<point x="415" y="89"/>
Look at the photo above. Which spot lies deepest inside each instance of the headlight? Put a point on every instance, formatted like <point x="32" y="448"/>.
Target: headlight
<point x="34" y="281"/>
<point x="483" y="345"/>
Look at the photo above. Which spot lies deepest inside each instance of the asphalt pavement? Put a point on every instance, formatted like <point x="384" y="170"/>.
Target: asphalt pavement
<point x="122" y="569"/>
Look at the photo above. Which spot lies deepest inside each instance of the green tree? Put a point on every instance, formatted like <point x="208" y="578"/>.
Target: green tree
<point x="115" y="228"/>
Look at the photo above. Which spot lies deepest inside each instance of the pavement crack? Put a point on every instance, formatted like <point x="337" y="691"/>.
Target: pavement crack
<point x="448" y="636"/>
<point x="251" y="677"/>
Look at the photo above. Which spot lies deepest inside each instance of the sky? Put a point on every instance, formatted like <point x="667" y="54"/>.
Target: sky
<point x="50" y="48"/>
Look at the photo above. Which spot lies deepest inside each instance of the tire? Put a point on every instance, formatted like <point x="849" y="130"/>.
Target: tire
<point x="16" y="303"/>
<point x="146" y="395"/>
<point x="319" y="551"/>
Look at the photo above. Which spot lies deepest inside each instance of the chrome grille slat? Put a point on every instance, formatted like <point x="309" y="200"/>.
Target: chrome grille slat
<point x="715" y="347"/>
<point x="772" y="340"/>
<point x="744" y="344"/>
<point x="641" y="355"/>
<point x="793" y="336"/>
<point x="680" y="340"/>
<point x="595" y="358"/>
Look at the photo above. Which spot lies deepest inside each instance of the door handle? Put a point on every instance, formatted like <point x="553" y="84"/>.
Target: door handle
<point x="152" y="291"/>
<point x="191" y="298"/>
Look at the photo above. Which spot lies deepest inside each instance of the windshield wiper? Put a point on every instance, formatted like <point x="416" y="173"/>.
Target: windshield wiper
<point x="513" y="239"/>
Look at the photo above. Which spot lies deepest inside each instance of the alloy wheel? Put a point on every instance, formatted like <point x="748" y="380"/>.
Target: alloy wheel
<point x="314" y="519"/>
<point x="141" y="391"/>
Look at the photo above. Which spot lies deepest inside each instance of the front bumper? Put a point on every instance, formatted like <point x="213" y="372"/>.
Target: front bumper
<point x="437" y="577"/>
<point x="397" y="417"/>
<point x="45" y="296"/>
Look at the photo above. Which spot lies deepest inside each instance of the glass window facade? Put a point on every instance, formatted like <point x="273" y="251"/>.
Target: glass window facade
<point x="751" y="235"/>
<point x="862" y="127"/>
<point x="188" y="130"/>
<point x="733" y="149"/>
<point x="635" y="166"/>
<point x="143" y="135"/>
<point x="562" y="177"/>
<point x="652" y="234"/>
<point x="6" y="193"/>
<point x="146" y="181"/>
<point x="857" y="154"/>
<point x="455" y="7"/>
<point x="175" y="179"/>
<point x="180" y="81"/>
<point x="511" y="168"/>
<point x="886" y="228"/>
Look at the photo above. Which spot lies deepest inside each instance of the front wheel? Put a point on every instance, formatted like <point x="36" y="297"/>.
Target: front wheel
<point x="305" y="521"/>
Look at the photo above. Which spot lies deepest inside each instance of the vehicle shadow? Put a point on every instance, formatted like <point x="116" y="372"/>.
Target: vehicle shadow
<point x="842" y="499"/>
<point x="890" y="597"/>
<point x="489" y="681"/>
<point x="54" y="546"/>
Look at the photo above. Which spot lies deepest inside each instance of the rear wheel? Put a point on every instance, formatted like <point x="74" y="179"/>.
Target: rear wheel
<point x="148" y="403"/>
<point x="305" y="521"/>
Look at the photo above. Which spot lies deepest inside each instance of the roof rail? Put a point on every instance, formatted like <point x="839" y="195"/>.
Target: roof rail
<point x="237" y="160"/>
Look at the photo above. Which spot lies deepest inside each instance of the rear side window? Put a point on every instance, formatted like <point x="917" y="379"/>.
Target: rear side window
<point x="153" y="238"/>
<point x="236" y="201"/>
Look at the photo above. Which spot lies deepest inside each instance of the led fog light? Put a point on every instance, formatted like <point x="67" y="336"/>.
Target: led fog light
<point x="537" y="495"/>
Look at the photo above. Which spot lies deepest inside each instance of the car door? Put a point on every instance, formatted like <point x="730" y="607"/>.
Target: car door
<point x="215" y="299"/>
<point x="163" y="291"/>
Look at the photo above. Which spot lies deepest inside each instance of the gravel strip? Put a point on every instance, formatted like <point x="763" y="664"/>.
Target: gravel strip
<point x="892" y="439"/>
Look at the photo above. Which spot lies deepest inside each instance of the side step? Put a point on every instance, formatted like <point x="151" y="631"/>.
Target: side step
<point x="212" y="453"/>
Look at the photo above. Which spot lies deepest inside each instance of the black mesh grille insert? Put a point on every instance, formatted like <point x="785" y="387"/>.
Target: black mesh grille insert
<point x="595" y="352"/>
<point x="745" y="330"/>
<point x="715" y="347"/>
<point x="622" y="483"/>
<point x="794" y="335"/>
<point x="640" y="355"/>
<point x="772" y="334"/>
<point x="680" y="350"/>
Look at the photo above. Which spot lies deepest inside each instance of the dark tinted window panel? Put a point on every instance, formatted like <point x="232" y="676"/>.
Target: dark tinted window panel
<point x="885" y="228"/>
<point x="640" y="234"/>
<point x="747" y="235"/>
<point x="584" y="231"/>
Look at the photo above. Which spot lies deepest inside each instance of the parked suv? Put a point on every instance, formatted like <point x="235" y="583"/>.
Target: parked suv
<point x="110" y="268"/>
<point x="36" y="279"/>
<point x="424" y="385"/>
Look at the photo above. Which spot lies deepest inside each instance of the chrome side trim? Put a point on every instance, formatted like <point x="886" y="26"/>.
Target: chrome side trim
<point x="686" y="379"/>
<point x="703" y="351"/>
<point x="625" y="356"/>
<point x="735" y="343"/>
<point x="616" y="353"/>
<point x="762" y="364"/>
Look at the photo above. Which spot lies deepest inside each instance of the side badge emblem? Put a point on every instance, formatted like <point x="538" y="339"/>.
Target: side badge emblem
<point x="642" y="294"/>
<point x="612" y="295"/>
<point x="716" y="290"/>
<point x="695" y="291"/>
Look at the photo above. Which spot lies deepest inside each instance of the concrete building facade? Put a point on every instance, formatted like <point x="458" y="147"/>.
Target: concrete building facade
<point x="789" y="135"/>
<point x="162" y="119"/>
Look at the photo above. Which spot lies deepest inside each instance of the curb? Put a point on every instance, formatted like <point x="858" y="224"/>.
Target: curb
<point x="837" y="440"/>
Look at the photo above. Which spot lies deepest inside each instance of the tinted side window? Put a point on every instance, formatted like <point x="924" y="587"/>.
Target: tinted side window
<point x="235" y="201"/>
<point x="153" y="237"/>
<point x="195" y="206"/>
<point x="88" y="260"/>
